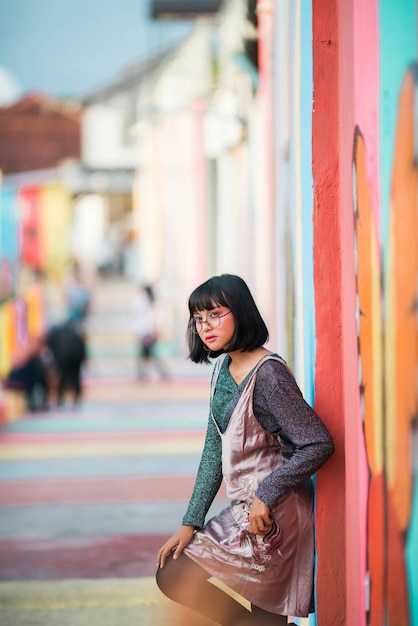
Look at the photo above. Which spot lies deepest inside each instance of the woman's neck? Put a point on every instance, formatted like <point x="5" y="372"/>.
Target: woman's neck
<point x="243" y="362"/>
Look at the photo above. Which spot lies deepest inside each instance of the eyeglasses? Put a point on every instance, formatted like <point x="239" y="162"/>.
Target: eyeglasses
<point x="213" y="320"/>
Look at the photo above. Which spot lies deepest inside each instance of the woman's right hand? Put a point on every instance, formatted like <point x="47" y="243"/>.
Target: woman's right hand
<point x="175" y="544"/>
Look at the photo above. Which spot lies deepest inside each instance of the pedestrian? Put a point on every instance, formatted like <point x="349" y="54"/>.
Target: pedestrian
<point x="78" y="296"/>
<point x="266" y="442"/>
<point x="145" y="329"/>
<point x="67" y="344"/>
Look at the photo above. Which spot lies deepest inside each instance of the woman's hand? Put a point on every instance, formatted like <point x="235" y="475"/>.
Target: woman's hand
<point x="175" y="544"/>
<point x="259" y="520"/>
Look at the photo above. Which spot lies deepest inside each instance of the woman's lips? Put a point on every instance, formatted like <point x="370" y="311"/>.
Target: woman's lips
<point x="210" y="338"/>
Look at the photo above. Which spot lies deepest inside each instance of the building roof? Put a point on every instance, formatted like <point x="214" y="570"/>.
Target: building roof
<point x="169" y="9"/>
<point x="132" y="77"/>
<point x="38" y="132"/>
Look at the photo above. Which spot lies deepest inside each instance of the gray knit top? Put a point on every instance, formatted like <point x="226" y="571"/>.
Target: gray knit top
<point x="279" y="408"/>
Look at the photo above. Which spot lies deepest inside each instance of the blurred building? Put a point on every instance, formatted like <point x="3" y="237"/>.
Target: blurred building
<point x="66" y="193"/>
<point x="109" y="154"/>
<point x="37" y="135"/>
<point x="189" y="132"/>
<point x="200" y="194"/>
<point x="38" y="132"/>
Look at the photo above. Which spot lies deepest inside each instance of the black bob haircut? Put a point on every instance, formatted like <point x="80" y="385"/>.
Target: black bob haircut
<point x="232" y="292"/>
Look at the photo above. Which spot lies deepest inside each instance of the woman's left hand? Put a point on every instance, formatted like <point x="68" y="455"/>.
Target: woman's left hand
<point x="259" y="520"/>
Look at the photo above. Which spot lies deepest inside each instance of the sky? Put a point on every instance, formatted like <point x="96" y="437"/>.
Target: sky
<point x="69" y="48"/>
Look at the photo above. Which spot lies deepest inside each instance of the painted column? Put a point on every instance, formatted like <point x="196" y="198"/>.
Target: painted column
<point x="329" y="401"/>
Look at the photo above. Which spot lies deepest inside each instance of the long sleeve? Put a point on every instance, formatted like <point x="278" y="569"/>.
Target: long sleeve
<point x="208" y="478"/>
<point x="280" y="407"/>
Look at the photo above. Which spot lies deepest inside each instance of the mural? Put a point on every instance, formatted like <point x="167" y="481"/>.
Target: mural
<point x="9" y="243"/>
<point x="388" y="363"/>
<point x="34" y="249"/>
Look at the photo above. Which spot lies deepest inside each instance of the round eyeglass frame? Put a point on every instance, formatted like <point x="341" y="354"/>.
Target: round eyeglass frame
<point x="214" y="323"/>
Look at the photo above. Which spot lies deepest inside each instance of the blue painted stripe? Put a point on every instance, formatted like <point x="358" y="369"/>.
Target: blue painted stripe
<point x="93" y="520"/>
<point x="98" y="467"/>
<point x="102" y="418"/>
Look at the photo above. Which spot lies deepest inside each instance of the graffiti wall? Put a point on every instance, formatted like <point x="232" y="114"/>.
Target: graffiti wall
<point x="34" y="223"/>
<point x="365" y="197"/>
<point x="347" y="213"/>
<point x="385" y="204"/>
<point x="387" y="334"/>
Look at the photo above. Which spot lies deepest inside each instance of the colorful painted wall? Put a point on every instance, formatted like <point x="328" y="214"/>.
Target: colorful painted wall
<point x="385" y="196"/>
<point x="346" y="205"/>
<point x="34" y="223"/>
<point x="365" y="272"/>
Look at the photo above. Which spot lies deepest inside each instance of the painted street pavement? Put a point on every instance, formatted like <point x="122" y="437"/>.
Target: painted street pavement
<point x="88" y="496"/>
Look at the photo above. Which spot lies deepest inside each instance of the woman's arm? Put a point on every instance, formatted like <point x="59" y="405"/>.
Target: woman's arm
<point x="208" y="481"/>
<point x="208" y="478"/>
<point x="280" y="407"/>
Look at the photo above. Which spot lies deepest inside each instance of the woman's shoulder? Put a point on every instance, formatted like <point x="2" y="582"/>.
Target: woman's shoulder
<point x="274" y="360"/>
<point x="274" y="366"/>
<point x="275" y="378"/>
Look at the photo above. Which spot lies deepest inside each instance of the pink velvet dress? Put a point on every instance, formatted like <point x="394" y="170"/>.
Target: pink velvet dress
<point x="274" y="571"/>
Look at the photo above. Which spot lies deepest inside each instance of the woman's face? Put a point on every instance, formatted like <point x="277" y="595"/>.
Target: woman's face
<point x="215" y="327"/>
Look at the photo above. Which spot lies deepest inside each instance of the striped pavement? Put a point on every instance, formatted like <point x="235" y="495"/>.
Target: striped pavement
<point x="88" y="496"/>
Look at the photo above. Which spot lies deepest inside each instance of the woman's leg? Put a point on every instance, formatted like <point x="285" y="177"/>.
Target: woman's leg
<point x="264" y="618"/>
<point x="185" y="582"/>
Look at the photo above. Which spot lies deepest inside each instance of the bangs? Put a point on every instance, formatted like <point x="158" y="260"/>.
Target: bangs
<point x="206" y="297"/>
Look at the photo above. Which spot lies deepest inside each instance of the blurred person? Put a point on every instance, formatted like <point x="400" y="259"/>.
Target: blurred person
<point x="109" y="254"/>
<point x="29" y="374"/>
<point x="145" y="329"/>
<point x="266" y="442"/>
<point x="67" y="344"/>
<point x="78" y="296"/>
<point x="129" y="256"/>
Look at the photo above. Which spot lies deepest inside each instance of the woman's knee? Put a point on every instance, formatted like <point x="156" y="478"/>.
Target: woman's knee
<point x="170" y="578"/>
<point x="165" y="580"/>
<point x="177" y="575"/>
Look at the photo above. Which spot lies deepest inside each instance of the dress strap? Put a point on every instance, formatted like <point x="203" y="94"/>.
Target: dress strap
<point x="215" y="374"/>
<point x="268" y="357"/>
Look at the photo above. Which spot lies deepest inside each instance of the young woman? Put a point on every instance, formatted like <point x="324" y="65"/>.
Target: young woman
<point x="266" y="442"/>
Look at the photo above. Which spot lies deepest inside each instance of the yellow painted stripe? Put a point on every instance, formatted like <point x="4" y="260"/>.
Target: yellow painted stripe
<point x="99" y="449"/>
<point x="73" y="594"/>
<point x="76" y="593"/>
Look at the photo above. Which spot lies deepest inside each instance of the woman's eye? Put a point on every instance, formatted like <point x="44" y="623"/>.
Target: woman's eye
<point x="214" y="315"/>
<point x="198" y="319"/>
